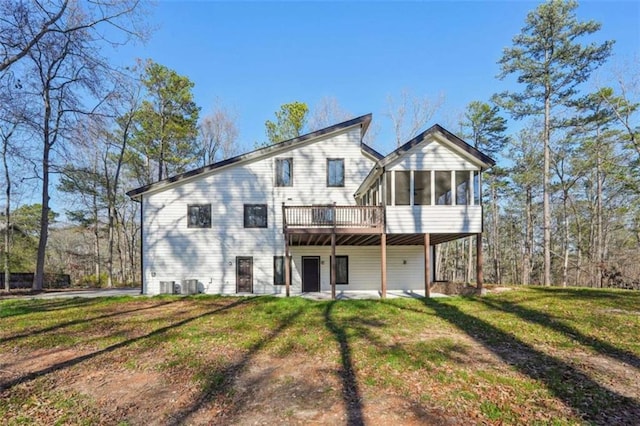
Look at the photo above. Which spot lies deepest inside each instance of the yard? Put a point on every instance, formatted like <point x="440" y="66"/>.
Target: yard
<point x="534" y="355"/>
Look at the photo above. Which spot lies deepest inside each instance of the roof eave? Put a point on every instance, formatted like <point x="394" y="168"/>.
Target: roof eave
<point x="482" y="159"/>
<point x="362" y="121"/>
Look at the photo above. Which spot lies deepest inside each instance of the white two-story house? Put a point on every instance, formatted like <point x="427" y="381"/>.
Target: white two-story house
<point x="321" y="212"/>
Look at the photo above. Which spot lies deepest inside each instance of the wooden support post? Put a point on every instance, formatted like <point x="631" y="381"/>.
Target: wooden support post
<point x="383" y="265"/>
<point x="479" y="277"/>
<point x="427" y="265"/>
<point x="287" y="265"/>
<point x="287" y="260"/>
<point x="333" y="266"/>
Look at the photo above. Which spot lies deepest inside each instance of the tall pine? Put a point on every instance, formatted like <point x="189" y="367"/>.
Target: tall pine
<point x="550" y="61"/>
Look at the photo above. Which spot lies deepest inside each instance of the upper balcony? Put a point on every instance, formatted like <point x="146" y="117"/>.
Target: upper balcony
<point x="333" y="219"/>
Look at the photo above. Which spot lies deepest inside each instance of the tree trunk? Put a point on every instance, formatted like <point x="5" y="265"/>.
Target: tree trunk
<point x="494" y="233"/>
<point x="38" y="278"/>
<point x="565" y="219"/>
<point x="110" y="248"/>
<point x="96" y="234"/>
<point x="120" y="229"/>
<point x="599" y="242"/>
<point x="7" y="217"/>
<point x="578" y="279"/>
<point x="528" y="238"/>
<point x="439" y="263"/>
<point x="545" y="188"/>
<point x="469" y="273"/>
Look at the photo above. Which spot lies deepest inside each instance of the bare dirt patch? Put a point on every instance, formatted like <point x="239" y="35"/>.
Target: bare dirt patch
<point x="268" y="390"/>
<point x="268" y="361"/>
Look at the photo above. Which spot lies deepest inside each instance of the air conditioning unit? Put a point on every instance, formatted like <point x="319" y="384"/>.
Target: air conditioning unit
<point x="167" y="287"/>
<point x="189" y="287"/>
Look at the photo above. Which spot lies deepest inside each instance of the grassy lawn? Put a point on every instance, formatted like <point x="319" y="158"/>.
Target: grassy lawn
<point x="534" y="356"/>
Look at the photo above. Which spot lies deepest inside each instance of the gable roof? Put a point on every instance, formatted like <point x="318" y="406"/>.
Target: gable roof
<point x="362" y="121"/>
<point x="457" y="143"/>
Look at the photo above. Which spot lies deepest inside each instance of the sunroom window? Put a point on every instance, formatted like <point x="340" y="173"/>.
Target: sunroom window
<point x="477" y="190"/>
<point x="443" y="188"/>
<point x="463" y="188"/>
<point x="402" y="187"/>
<point x="422" y="188"/>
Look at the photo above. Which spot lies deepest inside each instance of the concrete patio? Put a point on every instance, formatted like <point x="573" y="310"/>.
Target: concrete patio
<point x="368" y="294"/>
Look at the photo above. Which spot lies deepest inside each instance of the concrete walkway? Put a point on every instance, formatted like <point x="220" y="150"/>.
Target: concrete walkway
<point x="368" y="294"/>
<point x="323" y="295"/>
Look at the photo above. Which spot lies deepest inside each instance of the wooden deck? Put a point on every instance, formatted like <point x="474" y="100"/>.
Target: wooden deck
<point x="332" y="225"/>
<point x="333" y="219"/>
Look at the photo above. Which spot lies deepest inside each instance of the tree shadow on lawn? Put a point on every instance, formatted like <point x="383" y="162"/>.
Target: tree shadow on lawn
<point x="588" y="399"/>
<point x="55" y="327"/>
<point x="536" y="317"/>
<point x="403" y="356"/>
<point x="16" y="307"/>
<point x="70" y="363"/>
<point x="219" y="382"/>
<point x="582" y="293"/>
<point x="350" y="391"/>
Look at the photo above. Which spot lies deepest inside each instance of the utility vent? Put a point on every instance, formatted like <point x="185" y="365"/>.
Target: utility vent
<point x="167" y="287"/>
<point x="189" y="287"/>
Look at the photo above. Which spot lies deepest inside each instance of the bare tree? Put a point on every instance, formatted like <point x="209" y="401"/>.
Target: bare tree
<point x="6" y="137"/>
<point x="410" y="113"/>
<point x="25" y="23"/>
<point x="9" y="122"/>
<point x="126" y="101"/>
<point x="59" y="73"/>
<point x="217" y="135"/>
<point x="52" y="48"/>
<point x="13" y="112"/>
<point x="327" y="112"/>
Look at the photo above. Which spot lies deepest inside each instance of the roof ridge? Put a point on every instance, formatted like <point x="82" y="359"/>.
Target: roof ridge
<point x="363" y="120"/>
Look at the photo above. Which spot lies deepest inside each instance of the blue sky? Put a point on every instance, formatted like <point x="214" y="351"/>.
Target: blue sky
<point x="255" y="56"/>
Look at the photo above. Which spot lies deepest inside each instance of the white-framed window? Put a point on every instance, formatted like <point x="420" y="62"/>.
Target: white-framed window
<point x="284" y="171"/>
<point x="335" y="172"/>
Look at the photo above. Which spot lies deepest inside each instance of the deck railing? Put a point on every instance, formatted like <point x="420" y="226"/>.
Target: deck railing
<point x="332" y="216"/>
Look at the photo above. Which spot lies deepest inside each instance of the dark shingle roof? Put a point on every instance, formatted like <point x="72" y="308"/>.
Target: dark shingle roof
<point x="363" y="121"/>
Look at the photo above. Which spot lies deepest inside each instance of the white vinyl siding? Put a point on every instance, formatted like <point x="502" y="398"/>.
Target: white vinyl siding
<point x="174" y="252"/>
<point x="432" y="164"/>
<point x="364" y="267"/>
<point x="433" y="219"/>
<point x="432" y="155"/>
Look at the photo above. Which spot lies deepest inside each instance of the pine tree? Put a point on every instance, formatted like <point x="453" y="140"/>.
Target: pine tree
<point x="550" y="61"/>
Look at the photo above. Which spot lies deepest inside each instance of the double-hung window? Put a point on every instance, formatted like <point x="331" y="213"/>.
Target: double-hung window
<point x="284" y="171"/>
<point x="335" y="172"/>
